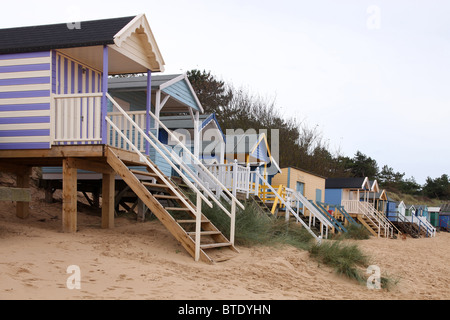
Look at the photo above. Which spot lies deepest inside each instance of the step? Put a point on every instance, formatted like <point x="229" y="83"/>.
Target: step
<point x="191" y="221"/>
<point x="166" y="196"/>
<point x="176" y="209"/>
<point x="215" y="245"/>
<point x="204" y="233"/>
<point x="144" y="173"/>
<point x="156" y="185"/>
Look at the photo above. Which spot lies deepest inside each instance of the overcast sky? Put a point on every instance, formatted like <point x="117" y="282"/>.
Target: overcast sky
<point x="372" y="75"/>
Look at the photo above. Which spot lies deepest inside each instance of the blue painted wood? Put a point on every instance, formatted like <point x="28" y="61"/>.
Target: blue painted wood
<point x="25" y="55"/>
<point x="25" y="67"/>
<point x="24" y="133"/>
<point x="18" y="120"/>
<point x="25" y="94"/>
<point x="24" y="145"/>
<point x="333" y="196"/>
<point x="25" y="107"/>
<point x="21" y="81"/>
<point x="181" y="92"/>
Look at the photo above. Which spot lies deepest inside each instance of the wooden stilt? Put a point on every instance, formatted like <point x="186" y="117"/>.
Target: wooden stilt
<point x="23" y="181"/>
<point x="69" y="213"/>
<point x="108" y="191"/>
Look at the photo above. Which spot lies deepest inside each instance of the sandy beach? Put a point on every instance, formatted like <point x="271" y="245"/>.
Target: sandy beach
<point x="141" y="260"/>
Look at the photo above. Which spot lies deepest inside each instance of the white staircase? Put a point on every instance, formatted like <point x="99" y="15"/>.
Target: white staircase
<point x="170" y="205"/>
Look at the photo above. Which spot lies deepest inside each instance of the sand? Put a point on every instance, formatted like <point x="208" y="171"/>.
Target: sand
<point x="141" y="260"/>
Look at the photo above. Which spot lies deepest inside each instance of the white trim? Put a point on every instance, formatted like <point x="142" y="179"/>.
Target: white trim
<point x="120" y="41"/>
<point x="171" y="82"/>
<point x="375" y="183"/>
<point x="366" y="182"/>
<point x="193" y="93"/>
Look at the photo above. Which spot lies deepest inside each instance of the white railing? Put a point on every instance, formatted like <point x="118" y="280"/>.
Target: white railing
<point x="351" y="206"/>
<point x="383" y="222"/>
<point x="428" y="225"/>
<point x="234" y="177"/>
<point x="422" y="223"/>
<point x="77" y="117"/>
<point x="260" y="180"/>
<point x="113" y="137"/>
<point x="181" y="168"/>
<point x="297" y="198"/>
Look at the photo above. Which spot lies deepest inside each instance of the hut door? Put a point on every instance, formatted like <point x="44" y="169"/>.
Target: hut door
<point x="300" y="188"/>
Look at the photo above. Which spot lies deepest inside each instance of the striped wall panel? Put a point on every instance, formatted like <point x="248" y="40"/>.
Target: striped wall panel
<point x="71" y="77"/>
<point x="25" y="85"/>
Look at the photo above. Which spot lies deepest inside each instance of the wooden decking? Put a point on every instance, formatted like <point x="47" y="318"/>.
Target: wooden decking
<point x="70" y="158"/>
<point x="177" y="215"/>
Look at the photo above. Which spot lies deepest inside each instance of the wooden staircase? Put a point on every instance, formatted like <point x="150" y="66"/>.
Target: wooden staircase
<point x="172" y="207"/>
<point x="263" y="208"/>
<point x="371" y="225"/>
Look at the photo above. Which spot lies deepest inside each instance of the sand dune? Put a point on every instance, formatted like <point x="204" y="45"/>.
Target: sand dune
<point x="142" y="261"/>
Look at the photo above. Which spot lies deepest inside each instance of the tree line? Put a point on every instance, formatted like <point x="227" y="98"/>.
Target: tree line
<point x="299" y="144"/>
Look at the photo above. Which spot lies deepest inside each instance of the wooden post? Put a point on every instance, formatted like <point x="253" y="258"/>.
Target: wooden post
<point x="23" y="181"/>
<point x="148" y="109"/>
<point x="142" y="209"/>
<point x="108" y="191"/>
<point x="69" y="213"/>
<point x="198" y="227"/>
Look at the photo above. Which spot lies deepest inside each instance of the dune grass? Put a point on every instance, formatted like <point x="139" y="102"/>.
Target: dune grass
<point x="345" y="259"/>
<point x="356" y="232"/>
<point x="255" y="228"/>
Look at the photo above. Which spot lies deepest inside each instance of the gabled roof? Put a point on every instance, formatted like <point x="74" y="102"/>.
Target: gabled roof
<point x="56" y="36"/>
<point x="347" y="183"/>
<point x="134" y="48"/>
<point x="374" y="186"/>
<point x="306" y="171"/>
<point x="177" y="86"/>
<point x="247" y="144"/>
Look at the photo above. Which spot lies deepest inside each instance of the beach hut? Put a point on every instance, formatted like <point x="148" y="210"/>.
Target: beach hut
<point x="357" y="196"/>
<point x="309" y="184"/>
<point x="444" y="217"/>
<point x="56" y="111"/>
<point x="421" y="211"/>
<point x="347" y="192"/>
<point x="410" y="210"/>
<point x="433" y="216"/>
<point x="131" y="94"/>
<point x="401" y="208"/>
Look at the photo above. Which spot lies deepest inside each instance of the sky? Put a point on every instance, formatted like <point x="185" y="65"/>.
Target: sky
<point x="371" y="75"/>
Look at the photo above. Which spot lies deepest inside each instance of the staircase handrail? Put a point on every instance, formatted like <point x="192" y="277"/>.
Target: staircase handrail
<point x="370" y="215"/>
<point x="288" y="207"/>
<point x="193" y="157"/>
<point x="329" y="217"/>
<point x="197" y="212"/>
<point x="300" y="197"/>
<point x="342" y="210"/>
